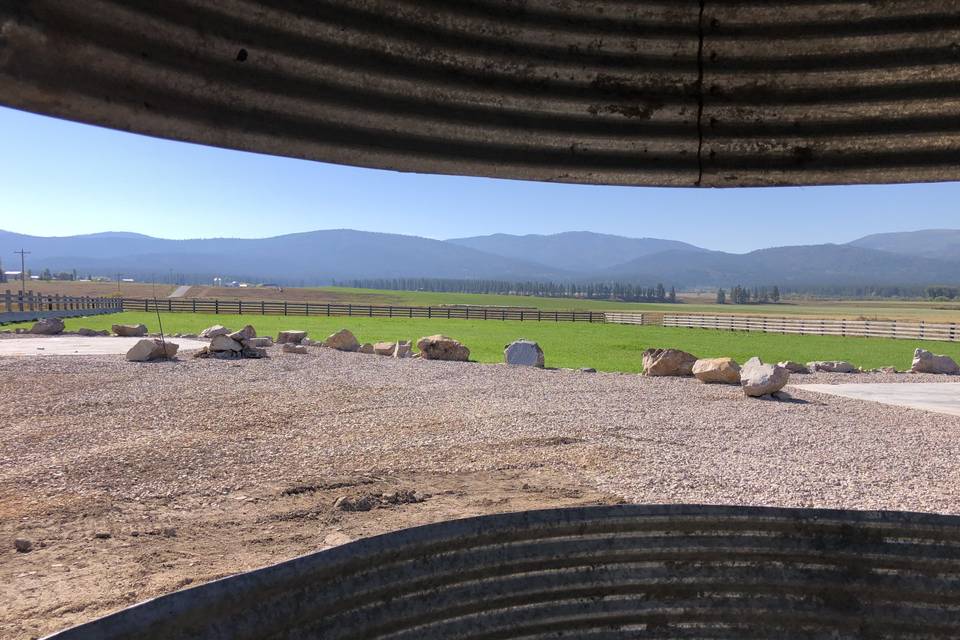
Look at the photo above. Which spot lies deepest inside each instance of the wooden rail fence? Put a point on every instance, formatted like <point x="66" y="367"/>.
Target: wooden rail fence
<point x="276" y="307"/>
<point x="23" y="307"/>
<point x="821" y="327"/>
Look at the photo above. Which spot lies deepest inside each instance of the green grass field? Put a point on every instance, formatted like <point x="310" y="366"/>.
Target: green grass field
<point x="607" y="347"/>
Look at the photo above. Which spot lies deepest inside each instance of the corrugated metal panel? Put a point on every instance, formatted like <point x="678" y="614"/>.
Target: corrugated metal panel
<point x="603" y="572"/>
<point x="645" y="92"/>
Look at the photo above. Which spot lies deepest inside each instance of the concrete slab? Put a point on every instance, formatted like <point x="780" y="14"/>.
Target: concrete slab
<point x="79" y="345"/>
<point x="928" y="396"/>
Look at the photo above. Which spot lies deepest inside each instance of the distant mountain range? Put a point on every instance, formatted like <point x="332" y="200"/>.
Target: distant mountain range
<point x="318" y="257"/>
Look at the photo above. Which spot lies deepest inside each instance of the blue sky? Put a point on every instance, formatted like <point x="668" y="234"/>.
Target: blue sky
<point x="62" y="178"/>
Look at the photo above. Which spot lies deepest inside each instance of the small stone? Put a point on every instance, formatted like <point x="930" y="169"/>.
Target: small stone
<point x="793" y="367"/>
<point x="294" y="348"/>
<point x="102" y="535"/>
<point x="91" y="333"/>
<point x="832" y="366"/>
<point x="384" y="348"/>
<point x="130" y="330"/>
<point x="23" y="546"/>
<point x="587" y="370"/>
<point x="291" y="336"/>
<point x="169" y="532"/>
<point x="366" y="348"/>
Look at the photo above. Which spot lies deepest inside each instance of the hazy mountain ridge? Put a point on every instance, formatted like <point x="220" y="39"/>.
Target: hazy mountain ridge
<point x="579" y="251"/>
<point x="317" y="257"/>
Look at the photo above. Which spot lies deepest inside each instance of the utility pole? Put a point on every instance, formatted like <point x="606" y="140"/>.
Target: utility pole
<point x="23" y="271"/>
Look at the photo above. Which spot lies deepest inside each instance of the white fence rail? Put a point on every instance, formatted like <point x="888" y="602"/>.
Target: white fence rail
<point x="619" y="317"/>
<point x="821" y="327"/>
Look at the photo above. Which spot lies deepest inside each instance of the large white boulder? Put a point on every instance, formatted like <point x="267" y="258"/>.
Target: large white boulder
<point x="927" y="362"/>
<point x="130" y="330"/>
<point x="759" y="379"/>
<point x="525" y="353"/>
<point x="48" y="327"/>
<point x="440" y="347"/>
<point x="722" y="370"/>
<point x="668" y="362"/>
<point x="342" y="340"/>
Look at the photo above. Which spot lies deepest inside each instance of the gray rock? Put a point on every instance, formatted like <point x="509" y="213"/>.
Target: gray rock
<point x="758" y="379"/>
<point x="403" y="349"/>
<point x="587" y="370"/>
<point x="91" y="333"/>
<point x="48" y="327"/>
<point x="927" y="362"/>
<point x="225" y="343"/>
<point x="289" y="347"/>
<point x="668" y="362"/>
<point x="291" y="337"/>
<point x="243" y="334"/>
<point x="793" y="367"/>
<point x="253" y="352"/>
<point x="833" y="366"/>
<point x="367" y="348"/>
<point x="214" y="331"/>
<point x="524" y="353"/>
<point x="151" y="349"/>
<point x="23" y="546"/>
<point x="130" y="330"/>
<point x="258" y="343"/>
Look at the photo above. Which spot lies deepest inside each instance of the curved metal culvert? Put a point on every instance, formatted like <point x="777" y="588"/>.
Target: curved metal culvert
<point x="682" y="571"/>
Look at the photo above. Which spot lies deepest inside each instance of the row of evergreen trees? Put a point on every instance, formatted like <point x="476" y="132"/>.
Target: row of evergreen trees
<point x="745" y="295"/>
<point x="624" y="291"/>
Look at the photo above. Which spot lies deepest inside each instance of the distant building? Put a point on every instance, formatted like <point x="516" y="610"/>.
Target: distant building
<point x="127" y="280"/>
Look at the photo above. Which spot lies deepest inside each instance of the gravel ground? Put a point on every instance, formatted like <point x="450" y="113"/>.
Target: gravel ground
<point x="195" y="469"/>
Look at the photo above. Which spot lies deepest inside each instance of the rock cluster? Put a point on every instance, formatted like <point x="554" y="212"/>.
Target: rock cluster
<point x="793" y="367"/>
<point x="231" y="345"/>
<point x="129" y="330"/>
<point x="523" y="352"/>
<point x="440" y="347"/>
<point x="48" y="327"/>
<point x="759" y="379"/>
<point x="668" y="362"/>
<point x="717" y="370"/>
<point x="927" y="362"/>
<point x="150" y="349"/>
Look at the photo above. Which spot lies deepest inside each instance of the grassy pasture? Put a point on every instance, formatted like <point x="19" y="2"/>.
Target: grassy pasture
<point x="607" y="347"/>
<point x="914" y="311"/>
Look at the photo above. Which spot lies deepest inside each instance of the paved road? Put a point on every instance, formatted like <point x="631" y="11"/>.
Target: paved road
<point x="929" y="396"/>
<point x="79" y="345"/>
<point x="180" y="291"/>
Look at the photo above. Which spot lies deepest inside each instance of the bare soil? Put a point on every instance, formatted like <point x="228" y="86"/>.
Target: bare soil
<point x="133" y="480"/>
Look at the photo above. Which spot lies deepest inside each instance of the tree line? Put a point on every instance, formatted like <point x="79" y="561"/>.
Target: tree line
<point x="745" y="295"/>
<point x="623" y="291"/>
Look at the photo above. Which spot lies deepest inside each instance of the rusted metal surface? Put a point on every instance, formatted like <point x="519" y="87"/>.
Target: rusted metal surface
<point x="643" y="92"/>
<point x="603" y="572"/>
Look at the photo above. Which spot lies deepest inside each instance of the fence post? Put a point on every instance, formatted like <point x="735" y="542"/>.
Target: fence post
<point x="194" y="305"/>
<point x="429" y="312"/>
<point x="349" y="309"/>
<point x="216" y="305"/>
<point x="921" y="329"/>
<point x="7" y="301"/>
<point x="448" y="313"/>
<point x="284" y="307"/>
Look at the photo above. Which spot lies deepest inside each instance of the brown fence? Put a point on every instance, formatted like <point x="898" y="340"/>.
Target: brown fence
<point x="15" y="301"/>
<point x="821" y="327"/>
<point x="268" y="307"/>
